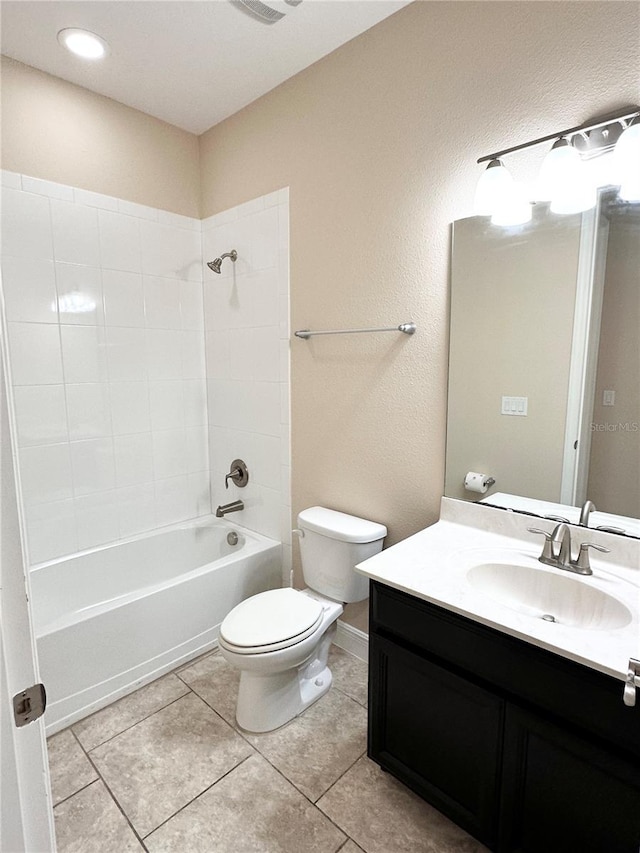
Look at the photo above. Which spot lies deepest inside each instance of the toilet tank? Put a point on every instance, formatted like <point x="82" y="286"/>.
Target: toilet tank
<point x="331" y="543"/>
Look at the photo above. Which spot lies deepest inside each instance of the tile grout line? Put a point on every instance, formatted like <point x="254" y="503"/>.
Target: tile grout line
<point x="353" y="763"/>
<point x="84" y="788"/>
<point x="255" y="750"/>
<point x="142" y="719"/>
<point x="280" y="773"/>
<point x="112" y="795"/>
<point x="197" y="796"/>
<point x="189" y="690"/>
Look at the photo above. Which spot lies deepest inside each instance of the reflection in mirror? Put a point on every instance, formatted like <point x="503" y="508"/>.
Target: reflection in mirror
<point x="544" y="380"/>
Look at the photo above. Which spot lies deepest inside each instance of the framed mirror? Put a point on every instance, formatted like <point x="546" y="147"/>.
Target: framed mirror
<point x="544" y="371"/>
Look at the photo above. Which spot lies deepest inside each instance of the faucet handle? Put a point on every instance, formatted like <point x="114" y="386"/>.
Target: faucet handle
<point x="545" y="533"/>
<point x="238" y="473"/>
<point x="559" y="518"/>
<point x="632" y="681"/>
<point x="582" y="563"/>
<point x="547" y="548"/>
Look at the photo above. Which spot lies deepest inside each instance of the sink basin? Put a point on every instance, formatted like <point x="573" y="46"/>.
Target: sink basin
<point x="546" y="595"/>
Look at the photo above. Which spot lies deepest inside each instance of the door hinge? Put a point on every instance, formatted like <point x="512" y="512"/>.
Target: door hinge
<point x="29" y="704"/>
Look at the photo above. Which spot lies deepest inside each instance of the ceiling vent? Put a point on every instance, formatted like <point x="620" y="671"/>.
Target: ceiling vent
<point x="268" y="14"/>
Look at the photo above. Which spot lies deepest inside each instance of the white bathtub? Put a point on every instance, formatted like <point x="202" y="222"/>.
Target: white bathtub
<point x="113" y="618"/>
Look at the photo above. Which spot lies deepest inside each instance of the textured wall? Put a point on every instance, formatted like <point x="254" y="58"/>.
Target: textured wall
<point x="378" y="143"/>
<point x="54" y="130"/>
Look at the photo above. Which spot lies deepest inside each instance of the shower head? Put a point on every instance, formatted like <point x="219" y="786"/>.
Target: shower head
<point x="217" y="263"/>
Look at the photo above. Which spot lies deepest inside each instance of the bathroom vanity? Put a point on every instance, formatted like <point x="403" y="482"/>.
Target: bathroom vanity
<point x="512" y="725"/>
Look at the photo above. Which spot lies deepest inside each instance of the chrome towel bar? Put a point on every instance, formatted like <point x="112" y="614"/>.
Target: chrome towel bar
<point x="406" y="328"/>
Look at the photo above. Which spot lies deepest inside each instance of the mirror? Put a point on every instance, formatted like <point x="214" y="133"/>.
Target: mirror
<point x="544" y="369"/>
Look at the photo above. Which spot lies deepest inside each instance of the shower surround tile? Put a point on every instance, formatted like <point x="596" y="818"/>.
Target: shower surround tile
<point x="35" y="356"/>
<point x="26" y="225"/>
<point x="162" y="763"/>
<point x="90" y="822"/>
<point x="235" y="816"/>
<point x="122" y="715"/>
<point x="246" y="316"/>
<point x="70" y="768"/>
<point x="107" y="302"/>
<point x="29" y="286"/>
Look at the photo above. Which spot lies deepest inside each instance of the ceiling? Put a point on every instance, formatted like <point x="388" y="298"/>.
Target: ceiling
<point x="191" y="63"/>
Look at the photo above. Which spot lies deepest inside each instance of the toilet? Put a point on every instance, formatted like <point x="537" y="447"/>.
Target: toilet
<point x="280" y="639"/>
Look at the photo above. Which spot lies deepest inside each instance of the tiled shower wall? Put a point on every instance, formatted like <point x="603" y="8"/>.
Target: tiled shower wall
<point x="246" y="310"/>
<point x="104" y="308"/>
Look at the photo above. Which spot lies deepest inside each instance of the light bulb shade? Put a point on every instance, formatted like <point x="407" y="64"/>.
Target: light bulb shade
<point x="494" y="186"/>
<point x="565" y="182"/>
<point x="626" y="159"/>
<point x="514" y="209"/>
<point x="553" y="167"/>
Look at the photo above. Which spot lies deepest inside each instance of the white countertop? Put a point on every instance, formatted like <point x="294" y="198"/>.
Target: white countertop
<point x="433" y="565"/>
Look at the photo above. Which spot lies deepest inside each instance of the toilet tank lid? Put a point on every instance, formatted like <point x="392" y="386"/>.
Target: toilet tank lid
<point x="339" y="525"/>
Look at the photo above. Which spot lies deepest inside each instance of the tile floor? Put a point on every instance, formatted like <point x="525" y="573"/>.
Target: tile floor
<point x="167" y="770"/>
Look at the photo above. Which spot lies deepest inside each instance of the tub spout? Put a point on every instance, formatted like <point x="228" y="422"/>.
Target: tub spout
<point x="234" y="506"/>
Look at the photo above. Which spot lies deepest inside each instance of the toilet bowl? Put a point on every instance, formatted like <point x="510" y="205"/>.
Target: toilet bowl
<point x="280" y="676"/>
<point x="280" y="639"/>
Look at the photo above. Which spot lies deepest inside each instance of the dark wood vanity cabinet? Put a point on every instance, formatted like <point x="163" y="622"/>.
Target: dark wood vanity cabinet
<point x="527" y="751"/>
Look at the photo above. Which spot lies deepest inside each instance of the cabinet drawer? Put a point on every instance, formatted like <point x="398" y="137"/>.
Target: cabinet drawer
<point x="519" y="670"/>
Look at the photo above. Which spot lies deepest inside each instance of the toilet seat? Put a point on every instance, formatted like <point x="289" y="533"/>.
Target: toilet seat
<point x="270" y="621"/>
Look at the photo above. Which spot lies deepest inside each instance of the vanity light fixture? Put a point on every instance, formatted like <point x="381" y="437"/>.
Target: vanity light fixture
<point x="498" y="196"/>
<point x="564" y="180"/>
<point x="627" y="161"/>
<point x="83" y="43"/>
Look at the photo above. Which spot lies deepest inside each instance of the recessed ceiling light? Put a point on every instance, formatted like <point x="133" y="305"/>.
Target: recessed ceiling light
<point x="83" y="43"/>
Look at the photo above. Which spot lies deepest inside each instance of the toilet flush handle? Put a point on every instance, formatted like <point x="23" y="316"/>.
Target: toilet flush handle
<point x="298" y="532"/>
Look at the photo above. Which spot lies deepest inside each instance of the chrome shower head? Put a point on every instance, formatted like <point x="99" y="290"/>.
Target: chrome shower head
<point x="217" y="263"/>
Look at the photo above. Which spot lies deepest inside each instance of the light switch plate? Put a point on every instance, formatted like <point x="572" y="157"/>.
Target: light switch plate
<point x="517" y="406"/>
<point x="608" y="398"/>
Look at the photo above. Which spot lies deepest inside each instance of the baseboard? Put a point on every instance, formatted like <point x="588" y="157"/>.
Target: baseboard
<point x="352" y="640"/>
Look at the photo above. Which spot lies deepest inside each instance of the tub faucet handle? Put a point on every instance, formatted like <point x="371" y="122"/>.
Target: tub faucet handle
<point x="239" y="473"/>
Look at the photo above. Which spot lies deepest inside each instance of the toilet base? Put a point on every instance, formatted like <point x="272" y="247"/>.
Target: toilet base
<point x="267" y="701"/>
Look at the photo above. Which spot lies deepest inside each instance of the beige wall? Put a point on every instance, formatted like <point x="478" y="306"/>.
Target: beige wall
<point x="614" y="465"/>
<point x="378" y="144"/>
<point x="55" y="130"/>
<point x="512" y="305"/>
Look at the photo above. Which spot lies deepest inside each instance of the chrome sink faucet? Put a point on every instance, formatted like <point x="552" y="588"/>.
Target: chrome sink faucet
<point x="587" y="507"/>
<point x="561" y="558"/>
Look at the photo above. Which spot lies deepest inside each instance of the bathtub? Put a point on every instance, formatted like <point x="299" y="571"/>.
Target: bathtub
<point x="113" y="618"/>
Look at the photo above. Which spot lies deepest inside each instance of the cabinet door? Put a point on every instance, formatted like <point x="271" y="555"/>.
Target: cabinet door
<point x="564" y="793"/>
<point x="438" y="733"/>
